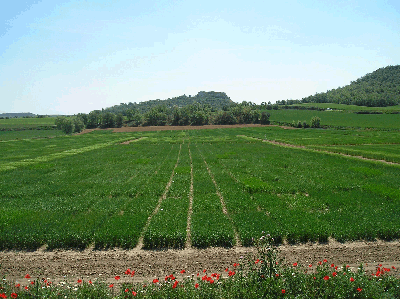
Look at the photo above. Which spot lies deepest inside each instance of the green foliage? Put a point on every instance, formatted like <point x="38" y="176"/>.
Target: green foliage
<point x="315" y="122"/>
<point x="378" y="89"/>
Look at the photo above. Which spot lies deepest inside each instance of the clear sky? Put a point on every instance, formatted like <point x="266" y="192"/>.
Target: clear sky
<point x="67" y="57"/>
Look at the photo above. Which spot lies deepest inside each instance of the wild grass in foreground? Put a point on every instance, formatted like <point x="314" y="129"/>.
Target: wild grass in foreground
<point x="259" y="276"/>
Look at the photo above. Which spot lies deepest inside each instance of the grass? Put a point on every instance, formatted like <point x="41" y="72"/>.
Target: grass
<point x="349" y="108"/>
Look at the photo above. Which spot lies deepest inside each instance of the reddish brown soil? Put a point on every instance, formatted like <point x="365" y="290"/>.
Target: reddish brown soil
<point x="91" y="264"/>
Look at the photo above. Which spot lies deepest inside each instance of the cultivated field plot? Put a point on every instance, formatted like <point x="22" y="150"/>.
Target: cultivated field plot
<point x="175" y="189"/>
<point x="338" y="118"/>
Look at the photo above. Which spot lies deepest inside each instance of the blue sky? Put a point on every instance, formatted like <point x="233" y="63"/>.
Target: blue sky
<point x="67" y="57"/>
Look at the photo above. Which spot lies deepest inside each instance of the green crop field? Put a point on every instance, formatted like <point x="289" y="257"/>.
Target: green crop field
<point x="199" y="188"/>
<point x="338" y="118"/>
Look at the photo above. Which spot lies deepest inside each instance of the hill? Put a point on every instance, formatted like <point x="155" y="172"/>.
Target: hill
<point x="377" y="89"/>
<point x="216" y="101"/>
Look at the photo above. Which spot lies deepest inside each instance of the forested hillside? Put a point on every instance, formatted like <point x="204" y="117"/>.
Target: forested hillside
<point x="215" y="101"/>
<point x="378" y="89"/>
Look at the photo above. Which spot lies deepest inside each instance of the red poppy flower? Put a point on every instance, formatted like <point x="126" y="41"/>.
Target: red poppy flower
<point x="134" y="293"/>
<point x="3" y="295"/>
<point x="310" y="265"/>
<point x="204" y="271"/>
<point x="204" y="277"/>
<point x="276" y="275"/>
<point x="183" y="271"/>
<point x="155" y="280"/>
<point x="351" y="279"/>
<point x="235" y="264"/>
<point x="294" y="264"/>
<point x="17" y="285"/>
<point x="175" y="284"/>
<point x="226" y="270"/>
<point x="283" y="291"/>
<point x="196" y="285"/>
<point x="359" y="289"/>
<point x="257" y="261"/>
<point x="117" y="277"/>
<point x="231" y="273"/>
<point x="90" y="281"/>
<point x="26" y="288"/>
<point x="211" y="281"/>
<point x="14" y="295"/>
<point x="393" y="267"/>
<point x="111" y="285"/>
<point x="79" y="280"/>
<point x="128" y="271"/>
<point x="325" y="261"/>
<point x="326" y="278"/>
<point x="334" y="274"/>
<point x="27" y="276"/>
<point x="126" y="290"/>
<point x="132" y="273"/>
<point x="332" y="265"/>
<point x="32" y="282"/>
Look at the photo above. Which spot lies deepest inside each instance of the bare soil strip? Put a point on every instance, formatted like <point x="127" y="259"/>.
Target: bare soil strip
<point x="190" y="210"/>
<point x="149" y="264"/>
<point x="164" y="196"/>
<point x="223" y="205"/>
<point x="317" y="150"/>
<point x="133" y="140"/>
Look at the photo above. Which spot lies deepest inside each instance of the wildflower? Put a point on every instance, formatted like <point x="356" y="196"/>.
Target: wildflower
<point x="235" y="264"/>
<point x="26" y="288"/>
<point x="310" y="265"/>
<point x="351" y="279"/>
<point x="111" y="285"/>
<point x="294" y="264"/>
<point x="90" y="282"/>
<point x="155" y="280"/>
<point x="334" y="274"/>
<point x="204" y="277"/>
<point x="320" y="263"/>
<point x="326" y="278"/>
<point x="196" y="285"/>
<point x="226" y="270"/>
<point x="117" y="277"/>
<point x="134" y="293"/>
<point x="183" y="271"/>
<point x="27" y="276"/>
<point x="283" y="291"/>
<point x="17" y="285"/>
<point x="325" y="261"/>
<point x="257" y="261"/>
<point x="211" y="281"/>
<point x="204" y="271"/>
<point x="126" y="290"/>
<point x="332" y="265"/>
<point x="393" y="267"/>
<point x="14" y="295"/>
<point x="276" y="275"/>
<point x="3" y="295"/>
<point x="128" y="271"/>
<point x="32" y="282"/>
<point x="79" y="280"/>
<point x="231" y="273"/>
<point x="359" y="289"/>
<point x="175" y="284"/>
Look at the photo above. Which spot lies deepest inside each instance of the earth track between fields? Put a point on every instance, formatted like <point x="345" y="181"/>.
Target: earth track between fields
<point x="160" y="200"/>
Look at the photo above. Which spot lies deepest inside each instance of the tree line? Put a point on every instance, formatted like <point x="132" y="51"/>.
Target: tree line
<point x="196" y="114"/>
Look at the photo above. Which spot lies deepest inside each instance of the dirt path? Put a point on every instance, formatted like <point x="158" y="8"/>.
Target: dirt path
<point x="90" y="264"/>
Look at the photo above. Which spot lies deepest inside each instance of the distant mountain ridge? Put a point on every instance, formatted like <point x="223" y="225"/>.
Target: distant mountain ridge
<point x="377" y="89"/>
<point x="216" y="100"/>
<point x="12" y="115"/>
